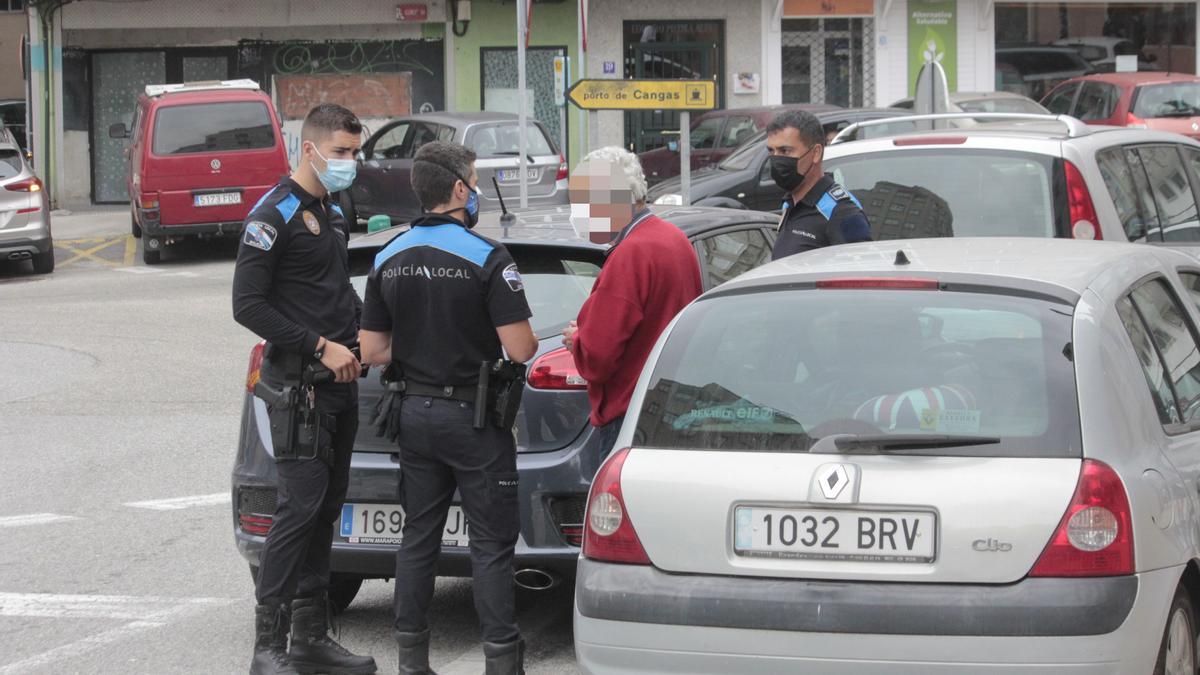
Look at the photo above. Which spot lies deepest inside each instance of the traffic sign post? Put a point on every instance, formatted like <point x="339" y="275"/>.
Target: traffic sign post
<point x="682" y="95"/>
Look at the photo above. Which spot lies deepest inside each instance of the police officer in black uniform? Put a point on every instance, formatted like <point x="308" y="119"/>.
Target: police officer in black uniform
<point x="440" y="303"/>
<point x="816" y="211"/>
<point x="291" y="286"/>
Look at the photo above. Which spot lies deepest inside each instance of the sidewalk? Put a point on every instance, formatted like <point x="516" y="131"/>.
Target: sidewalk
<point x="89" y="222"/>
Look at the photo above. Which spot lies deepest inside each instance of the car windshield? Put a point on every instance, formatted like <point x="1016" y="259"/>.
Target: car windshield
<point x="1002" y="105"/>
<point x="864" y="362"/>
<point x="212" y="127"/>
<point x="745" y="155"/>
<point x="1178" y="99"/>
<point x="502" y="140"/>
<point x="951" y="192"/>
<point x="10" y="163"/>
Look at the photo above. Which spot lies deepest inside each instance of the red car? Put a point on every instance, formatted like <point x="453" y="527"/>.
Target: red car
<point x="201" y="156"/>
<point x="1142" y="100"/>
<point x="715" y="134"/>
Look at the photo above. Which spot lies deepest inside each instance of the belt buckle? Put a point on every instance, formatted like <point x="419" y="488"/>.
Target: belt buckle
<point x="448" y="391"/>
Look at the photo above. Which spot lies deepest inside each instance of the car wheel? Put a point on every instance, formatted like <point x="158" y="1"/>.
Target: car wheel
<point x="151" y="254"/>
<point x="43" y="263"/>
<point x="1177" y="655"/>
<point x="135" y="229"/>
<point x="348" y="211"/>
<point x="342" y="589"/>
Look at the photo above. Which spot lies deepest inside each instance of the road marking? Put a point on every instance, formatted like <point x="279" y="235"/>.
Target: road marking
<point x="178" y="503"/>
<point x="130" y="249"/>
<point x="93" y="246"/>
<point x="155" y="270"/>
<point x="34" y="519"/>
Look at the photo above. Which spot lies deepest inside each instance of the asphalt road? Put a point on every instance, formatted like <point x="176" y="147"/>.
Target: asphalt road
<point x="119" y="407"/>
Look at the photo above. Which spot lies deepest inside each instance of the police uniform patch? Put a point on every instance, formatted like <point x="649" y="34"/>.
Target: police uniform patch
<point x="513" y="278"/>
<point x="839" y="193"/>
<point x="259" y="235"/>
<point x="311" y="222"/>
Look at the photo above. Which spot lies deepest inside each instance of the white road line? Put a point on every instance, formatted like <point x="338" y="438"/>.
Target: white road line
<point x="178" y="503"/>
<point x="34" y="519"/>
<point x="137" y="270"/>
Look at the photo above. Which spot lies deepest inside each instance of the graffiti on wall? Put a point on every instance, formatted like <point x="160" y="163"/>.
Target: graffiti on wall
<point x="377" y="95"/>
<point x="353" y="57"/>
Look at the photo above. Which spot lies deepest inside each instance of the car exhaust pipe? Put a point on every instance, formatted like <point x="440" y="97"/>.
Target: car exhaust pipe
<point x="534" y="579"/>
<point x="20" y="255"/>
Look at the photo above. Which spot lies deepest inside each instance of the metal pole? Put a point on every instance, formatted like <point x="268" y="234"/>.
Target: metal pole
<point x="522" y="113"/>
<point x="685" y="157"/>
<point x="581" y="69"/>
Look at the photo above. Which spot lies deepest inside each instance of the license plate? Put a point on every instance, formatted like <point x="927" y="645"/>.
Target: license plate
<point x="383" y="523"/>
<point x="515" y="174"/>
<point x="868" y="536"/>
<point x="218" y="199"/>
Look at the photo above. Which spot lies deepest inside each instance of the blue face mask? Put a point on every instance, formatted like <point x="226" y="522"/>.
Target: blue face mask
<point x="338" y="174"/>
<point x="472" y="207"/>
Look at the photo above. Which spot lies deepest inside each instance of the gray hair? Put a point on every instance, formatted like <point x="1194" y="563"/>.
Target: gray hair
<point x="629" y="164"/>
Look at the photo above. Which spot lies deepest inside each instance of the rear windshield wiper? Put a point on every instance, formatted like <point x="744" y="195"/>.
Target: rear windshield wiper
<point x="516" y="153"/>
<point x="857" y="443"/>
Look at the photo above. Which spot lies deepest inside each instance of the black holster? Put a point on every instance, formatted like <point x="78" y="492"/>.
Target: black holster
<point x="297" y="432"/>
<point x="506" y="386"/>
<point x="387" y="411"/>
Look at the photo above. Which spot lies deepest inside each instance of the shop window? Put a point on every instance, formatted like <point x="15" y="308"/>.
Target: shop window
<point x="12" y="5"/>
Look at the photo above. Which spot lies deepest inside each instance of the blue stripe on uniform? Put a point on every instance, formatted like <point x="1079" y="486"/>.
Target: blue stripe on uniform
<point x="827" y="205"/>
<point x="288" y="206"/>
<point x="337" y="208"/>
<point x="449" y="238"/>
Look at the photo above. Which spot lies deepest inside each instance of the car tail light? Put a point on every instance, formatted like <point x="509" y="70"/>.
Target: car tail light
<point x="149" y="201"/>
<point x="930" y="140"/>
<point x="27" y="185"/>
<point x="572" y="534"/>
<point x="609" y="534"/>
<point x="562" y="169"/>
<point x="259" y="525"/>
<point x="1134" y="122"/>
<point x="556" y="371"/>
<point x="1095" y="536"/>
<point x="254" y="372"/>
<point x="1082" y="211"/>
<point x="898" y="283"/>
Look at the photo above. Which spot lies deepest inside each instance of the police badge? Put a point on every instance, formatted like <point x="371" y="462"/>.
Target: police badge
<point x="311" y="222"/>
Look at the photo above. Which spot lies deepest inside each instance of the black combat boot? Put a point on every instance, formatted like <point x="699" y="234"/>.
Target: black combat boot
<point x="313" y="651"/>
<point x="506" y="658"/>
<point x="271" y="623"/>
<point x="414" y="653"/>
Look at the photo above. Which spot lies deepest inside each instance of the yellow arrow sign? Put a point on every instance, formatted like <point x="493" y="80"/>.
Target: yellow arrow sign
<point x="644" y="94"/>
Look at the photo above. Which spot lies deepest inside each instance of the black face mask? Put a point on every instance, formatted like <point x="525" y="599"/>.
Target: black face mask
<point x="785" y="173"/>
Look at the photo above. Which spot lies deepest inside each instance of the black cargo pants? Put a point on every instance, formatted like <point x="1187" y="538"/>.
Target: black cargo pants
<point x="295" y="558"/>
<point x="440" y="450"/>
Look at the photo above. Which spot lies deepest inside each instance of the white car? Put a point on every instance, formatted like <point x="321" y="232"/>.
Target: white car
<point x="932" y="456"/>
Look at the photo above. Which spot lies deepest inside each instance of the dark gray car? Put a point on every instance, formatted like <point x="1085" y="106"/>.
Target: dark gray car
<point x="557" y="451"/>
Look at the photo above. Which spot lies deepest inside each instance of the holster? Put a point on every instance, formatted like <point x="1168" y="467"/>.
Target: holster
<point x="387" y="411"/>
<point x="507" y="386"/>
<point x="297" y="433"/>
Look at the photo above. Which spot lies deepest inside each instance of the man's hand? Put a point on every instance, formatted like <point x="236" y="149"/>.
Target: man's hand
<point x="341" y="361"/>
<point x="569" y="334"/>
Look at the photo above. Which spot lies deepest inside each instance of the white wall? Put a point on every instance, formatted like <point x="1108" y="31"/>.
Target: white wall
<point x="976" y="46"/>
<point x="96" y="14"/>
<point x="891" y="52"/>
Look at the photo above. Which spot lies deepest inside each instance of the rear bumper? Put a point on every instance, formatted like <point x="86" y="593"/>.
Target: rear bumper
<point x="24" y="245"/>
<point x="158" y="229"/>
<point x="641" y="620"/>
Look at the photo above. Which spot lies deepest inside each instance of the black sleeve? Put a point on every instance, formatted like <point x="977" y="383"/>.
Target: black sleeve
<point x="504" y="289"/>
<point x="376" y="315"/>
<point x="848" y="225"/>
<point x="264" y="240"/>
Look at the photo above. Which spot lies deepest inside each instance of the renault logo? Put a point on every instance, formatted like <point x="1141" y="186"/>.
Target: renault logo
<point x="833" y="480"/>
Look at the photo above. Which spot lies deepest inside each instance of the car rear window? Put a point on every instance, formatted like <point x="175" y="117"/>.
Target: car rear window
<point x="502" y="140"/>
<point x="779" y="370"/>
<point x="10" y="163"/>
<point x="212" y="127"/>
<point x="950" y="191"/>
<point x="1180" y="99"/>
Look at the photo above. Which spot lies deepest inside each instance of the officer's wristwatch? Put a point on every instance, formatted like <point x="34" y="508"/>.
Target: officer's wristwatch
<point x="320" y="351"/>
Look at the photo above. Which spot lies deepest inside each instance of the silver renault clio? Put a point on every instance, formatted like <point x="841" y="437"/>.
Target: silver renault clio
<point x="930" y="456"/>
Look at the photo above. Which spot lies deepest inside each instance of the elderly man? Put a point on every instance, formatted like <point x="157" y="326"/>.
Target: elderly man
<point x="651" y="273"/>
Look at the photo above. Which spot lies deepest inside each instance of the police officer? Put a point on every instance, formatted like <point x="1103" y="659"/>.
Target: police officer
<point x="440" y="302"/>
<point x="816" y="211"/>
<point x="291" y="286"/>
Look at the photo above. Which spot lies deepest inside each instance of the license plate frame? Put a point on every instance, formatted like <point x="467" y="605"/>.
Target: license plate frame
<point x="514" y="175"/>
<point x="747" y="531"/>
<point x="456" y="532"/>
<point x="216" y="199"/>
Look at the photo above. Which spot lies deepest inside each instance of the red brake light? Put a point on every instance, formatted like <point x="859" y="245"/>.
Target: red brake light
<point x="562" y="169"/>
<point x="28" y="185"/>
<point x="898" y="283"/>
<point x="1095" y="536"/>
<point x="254" y="372"/>
<point x="259" y="525"/>
<point x="1082" y="211"/>
<point x="930" y="140"/>
<point x="608" y="533"/>
<point x="556" y="371"/>
<point x="1135" y="122"/>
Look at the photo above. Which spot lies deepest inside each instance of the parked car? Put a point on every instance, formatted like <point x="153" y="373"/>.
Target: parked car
<point x="1030" y="176"/>
<point x="383" y="187"/>
<point x="714" y="135"/>
<point x="1159" y="101"/>
<point x="1005" y="483"/>
<point x="557" y="450"/>
<point x="24" y="212"/>
<point x="743" y="180"/>
<point x="12" y="117"/>
<point x="201" y="155"/>
<point x="1039" y="68"/>
<point x="985" y="101"/>
<point x="1102" y="52"/>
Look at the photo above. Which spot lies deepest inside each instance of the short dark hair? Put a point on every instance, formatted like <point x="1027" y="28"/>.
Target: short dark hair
<point x="811" y="131"/>
<point x="327" y="118"/>
<point x="436" y="168"/>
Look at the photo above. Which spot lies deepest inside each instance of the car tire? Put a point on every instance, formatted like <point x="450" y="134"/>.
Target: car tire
<point x="151" y="257"/>
<point x="1177" y="654"/>
<point x="43" y="263"/>
<point x="348" y="211"/>
<point x="342" y="589"/>
<point x="135" y="229"/>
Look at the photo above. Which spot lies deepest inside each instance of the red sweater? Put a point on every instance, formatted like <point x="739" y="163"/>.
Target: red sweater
<point x="648" y="278"/>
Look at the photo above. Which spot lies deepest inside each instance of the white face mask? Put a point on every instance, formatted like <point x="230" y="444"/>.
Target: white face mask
<point x="584" y="223"/>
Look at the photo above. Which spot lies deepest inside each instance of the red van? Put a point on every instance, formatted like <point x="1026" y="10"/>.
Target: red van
<point x="202" y="154"/>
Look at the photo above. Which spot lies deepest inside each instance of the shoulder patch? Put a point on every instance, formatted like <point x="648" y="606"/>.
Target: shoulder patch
<point x="512" y="276"/>
<point x="841" y="194"/>
<point x="259" y="235"/>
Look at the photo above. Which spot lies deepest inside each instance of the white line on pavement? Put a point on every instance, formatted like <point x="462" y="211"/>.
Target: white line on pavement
<point x="177" y="503"/>
<point x="137" y="270"/>
<point x="34" y="519"/>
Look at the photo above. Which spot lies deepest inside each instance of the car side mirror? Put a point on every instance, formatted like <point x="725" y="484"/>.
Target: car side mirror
<point x="118" y="130"/>
<point x="673" y="146"/>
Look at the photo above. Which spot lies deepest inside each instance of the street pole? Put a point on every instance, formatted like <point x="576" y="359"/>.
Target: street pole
<point x="522" y="113"/>
<point x="685" y="157"/>
<point x="581" y="68"/>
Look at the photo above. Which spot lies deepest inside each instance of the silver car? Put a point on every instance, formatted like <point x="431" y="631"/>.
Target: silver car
<point x="933" y="456"/>
<point x="24" y="215"/>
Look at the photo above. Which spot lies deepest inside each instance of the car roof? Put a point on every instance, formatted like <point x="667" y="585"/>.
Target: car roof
<point x="815" y="108"/>
<point x="205" y="96"/>
<point x="1068" y="264"/>
<point x="1140" y="77"/>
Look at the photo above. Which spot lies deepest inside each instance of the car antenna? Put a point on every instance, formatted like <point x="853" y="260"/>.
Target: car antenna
<point x="506" y="219"/>
<point x="901" y="259"/>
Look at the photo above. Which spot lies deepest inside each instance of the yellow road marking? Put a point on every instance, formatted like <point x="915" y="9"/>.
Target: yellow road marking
<point x="76" y="246"/>
<point x="130" y="249"/>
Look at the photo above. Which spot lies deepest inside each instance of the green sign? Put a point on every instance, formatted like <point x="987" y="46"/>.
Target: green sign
<point x="932" y="36"/>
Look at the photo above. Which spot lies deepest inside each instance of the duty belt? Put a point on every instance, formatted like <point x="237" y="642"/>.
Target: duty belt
<point x="464" y="393"/>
